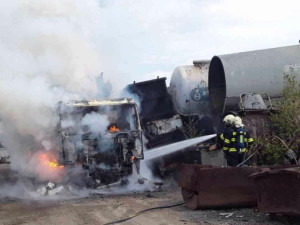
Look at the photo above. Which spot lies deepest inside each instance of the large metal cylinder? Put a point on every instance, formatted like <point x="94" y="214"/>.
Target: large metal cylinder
<point x="259" y="71"/>
<point x="189" y="89"/>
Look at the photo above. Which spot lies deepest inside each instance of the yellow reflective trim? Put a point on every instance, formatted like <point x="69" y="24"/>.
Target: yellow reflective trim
<point x="232" y="150"/>
<point x="244" y="150"/>
<point x="227" y="141"/>
<point x="225" y="148"/>
<point x="222" y="137"/>
<point x="233" y="139"/>
<point x="246" y="139"/>
<point x="241" y="138"/>
<point x="234" y="133"/>
<point x="250" y="139"/>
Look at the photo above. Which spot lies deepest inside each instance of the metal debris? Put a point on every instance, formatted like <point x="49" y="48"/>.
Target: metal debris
<point x="227" y="215"/>
<point x="55" y="190"/>
<point x="50" y="189"/>
<point x="4" y="155"/>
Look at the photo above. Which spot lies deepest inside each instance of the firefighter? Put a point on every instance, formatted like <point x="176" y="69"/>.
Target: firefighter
<point x="229" y="127"/>
<point x="237" y="142"/>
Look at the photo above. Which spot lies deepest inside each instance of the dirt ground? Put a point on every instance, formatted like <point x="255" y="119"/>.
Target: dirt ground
<point x="104" y="209"/>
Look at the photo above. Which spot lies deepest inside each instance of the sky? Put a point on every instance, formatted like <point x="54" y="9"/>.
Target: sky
<point x="142" y="39"/>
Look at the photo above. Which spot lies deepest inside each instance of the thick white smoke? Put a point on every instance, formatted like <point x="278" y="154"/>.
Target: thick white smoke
<point x="48" y="53"/>
<point x="97" y="123"/>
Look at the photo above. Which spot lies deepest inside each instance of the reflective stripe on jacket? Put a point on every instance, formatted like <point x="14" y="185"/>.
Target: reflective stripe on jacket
<point x="221" y="140"/>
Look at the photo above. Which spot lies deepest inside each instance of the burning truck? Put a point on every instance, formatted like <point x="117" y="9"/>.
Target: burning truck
<point x="104" y="137"/>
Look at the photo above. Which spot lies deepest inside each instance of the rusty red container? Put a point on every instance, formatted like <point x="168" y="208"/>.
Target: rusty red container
<point x="215" y="187"/>
<point x="278" y="191"/>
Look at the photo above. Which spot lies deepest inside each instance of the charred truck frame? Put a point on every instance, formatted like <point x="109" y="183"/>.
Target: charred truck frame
<point x="102" y="136"/>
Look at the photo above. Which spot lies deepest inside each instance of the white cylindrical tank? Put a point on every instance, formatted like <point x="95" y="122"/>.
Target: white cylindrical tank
<point x="260" y="71"/>
<point x="189" y="89"/>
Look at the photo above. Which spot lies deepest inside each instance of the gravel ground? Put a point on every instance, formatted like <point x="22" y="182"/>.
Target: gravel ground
<point x="104" y="209"/>
<point x="101" y="209"/>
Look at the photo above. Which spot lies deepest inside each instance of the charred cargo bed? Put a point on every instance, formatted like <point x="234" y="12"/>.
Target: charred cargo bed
<point x="161" y="123"/>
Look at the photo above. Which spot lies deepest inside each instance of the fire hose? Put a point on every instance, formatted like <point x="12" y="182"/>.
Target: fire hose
<point x="247" y="159"/>
<point x="143" y="211"/>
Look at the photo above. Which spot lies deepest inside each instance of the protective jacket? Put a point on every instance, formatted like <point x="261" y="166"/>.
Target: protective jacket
<point x="237" y="140"/>
<point x="221" y="137"/>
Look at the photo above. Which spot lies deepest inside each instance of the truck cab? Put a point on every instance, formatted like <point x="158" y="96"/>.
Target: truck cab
<point x="102" y="136"/>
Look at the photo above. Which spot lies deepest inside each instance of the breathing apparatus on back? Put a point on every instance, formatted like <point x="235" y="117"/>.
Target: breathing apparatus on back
<point x="240" y="133"/>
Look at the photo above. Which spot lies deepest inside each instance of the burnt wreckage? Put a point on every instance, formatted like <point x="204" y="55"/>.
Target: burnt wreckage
<point x="161" y="124"/>
<point x="102" y="136"/>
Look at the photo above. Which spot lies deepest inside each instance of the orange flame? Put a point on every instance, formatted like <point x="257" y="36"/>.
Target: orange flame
<point x="47" y="161"/>
<point x="45" y="165"/>
<point x="114" y="129"/>
<point x="54" y="164"/>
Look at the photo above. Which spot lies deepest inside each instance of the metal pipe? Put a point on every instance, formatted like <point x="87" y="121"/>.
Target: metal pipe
<point x="259" y="71"/>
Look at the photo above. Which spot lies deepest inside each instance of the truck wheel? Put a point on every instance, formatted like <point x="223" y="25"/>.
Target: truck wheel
<point x="190" y="198"/>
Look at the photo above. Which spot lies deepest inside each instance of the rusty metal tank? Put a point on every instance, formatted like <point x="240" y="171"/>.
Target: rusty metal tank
<point x="260" y="71"/>
<point x="189" y="89"/>
<point x="206" y="187"/>
<point x="215" y="187"/>
<point x="278" y="191"/>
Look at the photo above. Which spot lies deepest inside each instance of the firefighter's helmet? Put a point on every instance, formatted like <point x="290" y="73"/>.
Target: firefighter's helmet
<point x="238" y="122"/>
<point x="229" y="119"/>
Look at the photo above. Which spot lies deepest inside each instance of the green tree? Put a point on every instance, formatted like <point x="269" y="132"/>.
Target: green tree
<point x="285" y="124"/>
